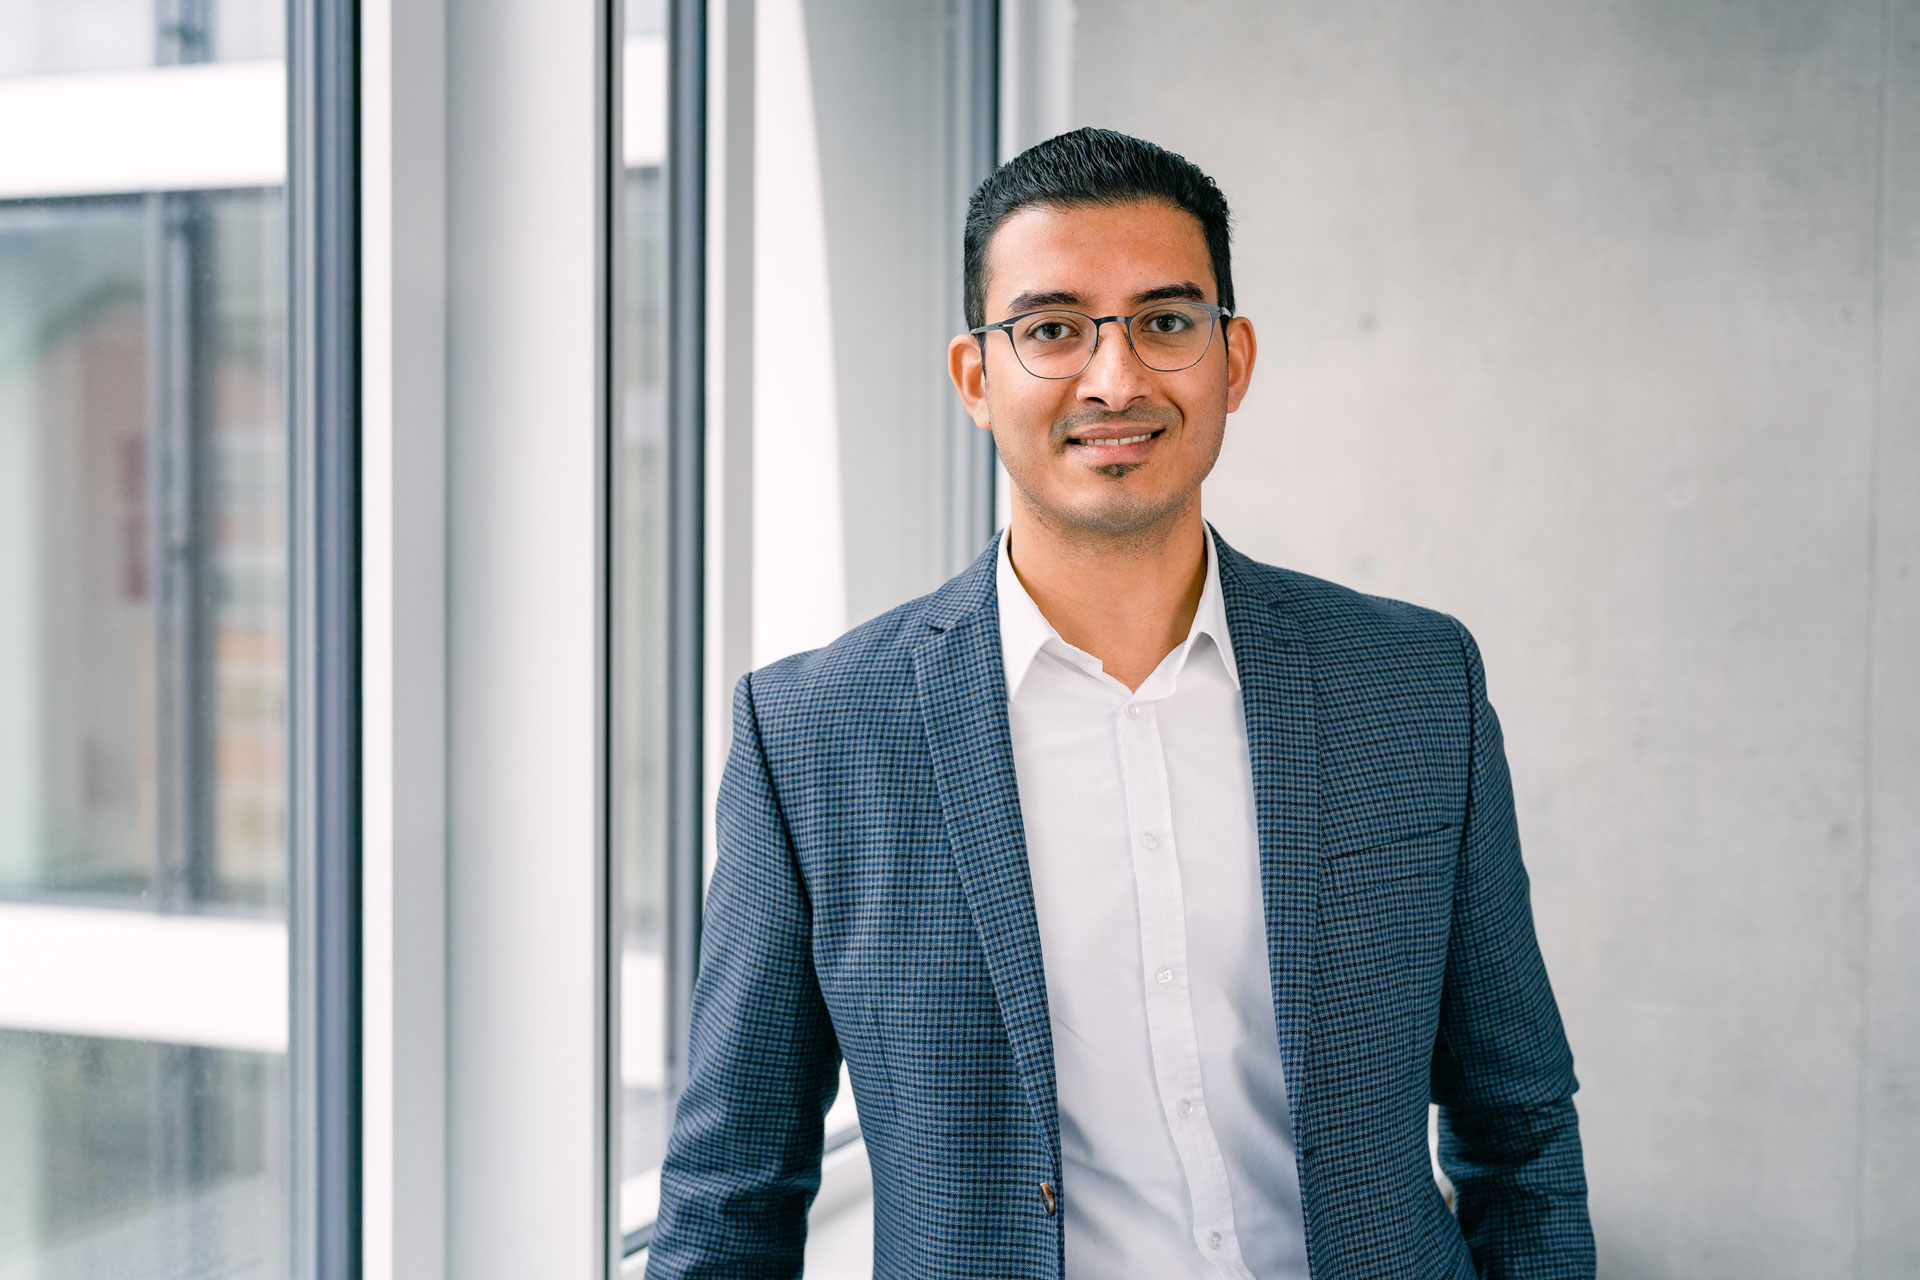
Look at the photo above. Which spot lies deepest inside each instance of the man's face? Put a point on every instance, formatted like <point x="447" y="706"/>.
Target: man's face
<point x="1102" y="260"/>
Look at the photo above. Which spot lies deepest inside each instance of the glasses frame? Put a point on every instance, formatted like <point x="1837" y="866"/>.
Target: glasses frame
<point x="1217" y="314"/>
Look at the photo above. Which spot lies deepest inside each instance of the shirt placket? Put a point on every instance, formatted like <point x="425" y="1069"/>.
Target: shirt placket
<point x="1169" y="999"/>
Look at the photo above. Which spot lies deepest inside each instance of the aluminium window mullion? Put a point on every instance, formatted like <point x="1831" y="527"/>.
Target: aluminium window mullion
<point x="976" y="150"/>
<point x="323" y="907"/>
<point x="686" y="514"/>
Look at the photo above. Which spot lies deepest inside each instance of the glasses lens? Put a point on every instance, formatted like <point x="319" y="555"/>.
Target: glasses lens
<point x="1053" y="344"/>
<point x="1172" y="335"/>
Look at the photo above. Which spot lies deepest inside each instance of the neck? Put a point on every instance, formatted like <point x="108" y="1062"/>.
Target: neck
<point x="1129" y="599"/>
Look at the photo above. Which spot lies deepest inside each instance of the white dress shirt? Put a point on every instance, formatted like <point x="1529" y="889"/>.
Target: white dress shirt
<point x="1145" y="859"/>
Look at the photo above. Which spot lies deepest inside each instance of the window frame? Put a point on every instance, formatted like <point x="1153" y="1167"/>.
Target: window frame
<point x="686" y="614"/>
<point x="324" y="835"/>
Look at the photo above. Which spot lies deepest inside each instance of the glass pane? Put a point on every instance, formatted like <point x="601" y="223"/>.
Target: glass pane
<point x="639" y="632"/>
<point x="40" y="37"/>
<point x="143" y="574"/>
<point x="143" y="692"/>
<point x="132" y="1159"/>
<point x="640" y="683"/>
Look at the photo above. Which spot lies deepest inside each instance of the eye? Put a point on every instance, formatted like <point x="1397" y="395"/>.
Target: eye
<point x="1049" y="329"/>
<point x="1166" y="322"/>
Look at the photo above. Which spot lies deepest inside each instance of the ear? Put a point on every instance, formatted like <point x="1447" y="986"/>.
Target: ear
<point x="969" y="374"/>
<point x="1241" y="350"/>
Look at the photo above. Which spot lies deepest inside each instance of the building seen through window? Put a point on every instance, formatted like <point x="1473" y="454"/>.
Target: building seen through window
<point x="143" y="654"/>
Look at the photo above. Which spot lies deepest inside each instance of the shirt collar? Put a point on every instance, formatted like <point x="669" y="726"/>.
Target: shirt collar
<point x="1024" y="630"/>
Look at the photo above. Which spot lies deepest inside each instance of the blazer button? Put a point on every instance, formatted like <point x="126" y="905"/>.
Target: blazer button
<point x="1046" y="1197"/>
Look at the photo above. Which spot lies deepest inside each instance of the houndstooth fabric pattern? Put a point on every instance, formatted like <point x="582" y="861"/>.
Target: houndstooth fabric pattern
<point x="871" y="900"/>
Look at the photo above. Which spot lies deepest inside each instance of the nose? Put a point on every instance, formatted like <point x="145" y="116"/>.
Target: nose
<point x="1114" y="378"/>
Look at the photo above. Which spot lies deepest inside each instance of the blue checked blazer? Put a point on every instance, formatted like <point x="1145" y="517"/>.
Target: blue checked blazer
<point x="871" y="901"/>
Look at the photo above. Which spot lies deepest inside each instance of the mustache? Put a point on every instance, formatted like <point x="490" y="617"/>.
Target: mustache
<point x="1160" y="417"/>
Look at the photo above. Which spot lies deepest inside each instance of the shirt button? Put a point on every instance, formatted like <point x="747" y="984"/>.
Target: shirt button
<point x="1186" y="1106"/>
<point x="1150" y="840"/>
<point x="1164" y="976"/>
<point x="1046" y="1197"/>
<point x="1213" y="1240"/>
<point x="1133" y="711"/>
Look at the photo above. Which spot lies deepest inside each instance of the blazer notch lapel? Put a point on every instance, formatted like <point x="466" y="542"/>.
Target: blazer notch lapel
<point x="962" y="689"/>
<point x="1277" y="695"/>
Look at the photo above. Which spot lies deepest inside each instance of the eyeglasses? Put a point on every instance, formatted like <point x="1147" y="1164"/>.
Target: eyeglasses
<point x="1166" y="337"/>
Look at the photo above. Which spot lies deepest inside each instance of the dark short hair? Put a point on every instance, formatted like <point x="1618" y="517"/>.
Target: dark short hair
<point x="1092" y="167"/>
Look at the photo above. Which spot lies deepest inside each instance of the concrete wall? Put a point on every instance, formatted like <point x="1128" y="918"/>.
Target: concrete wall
<point x="1597" y="325"/>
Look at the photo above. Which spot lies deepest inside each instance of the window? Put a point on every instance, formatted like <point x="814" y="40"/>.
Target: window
<point x="143" y="583"/>
<point x="642" y="1109"/>
<point x="147" y="583"/>
<point x="840" y="477"/>
<point x="147" y="642"/>
<point x="176" y="651"/>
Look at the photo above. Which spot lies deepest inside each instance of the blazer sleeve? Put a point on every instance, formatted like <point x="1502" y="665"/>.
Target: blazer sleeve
<point x="1502" y="1069"/>
<point x="743" y="1162"/>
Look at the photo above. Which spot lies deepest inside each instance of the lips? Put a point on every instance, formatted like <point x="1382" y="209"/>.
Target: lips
<point x="1111" y="446"/>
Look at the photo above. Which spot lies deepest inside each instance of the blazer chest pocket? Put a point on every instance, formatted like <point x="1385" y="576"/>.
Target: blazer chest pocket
<point x="1426" y="851"/>
<point x="1384" y="913"/>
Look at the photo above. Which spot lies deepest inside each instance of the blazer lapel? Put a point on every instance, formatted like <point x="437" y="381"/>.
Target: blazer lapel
<point x="963" y="702"/>
<point x="1276" y="689"/>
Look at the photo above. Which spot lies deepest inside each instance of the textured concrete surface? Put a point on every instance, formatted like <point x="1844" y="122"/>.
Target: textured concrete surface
<point x="1595" y="325"/>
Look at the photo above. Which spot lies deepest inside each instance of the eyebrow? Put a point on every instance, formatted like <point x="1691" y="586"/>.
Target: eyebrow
<point x="1037" y="299"/>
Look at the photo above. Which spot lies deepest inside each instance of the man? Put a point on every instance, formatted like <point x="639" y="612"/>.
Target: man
<point x="1150" y="893"/>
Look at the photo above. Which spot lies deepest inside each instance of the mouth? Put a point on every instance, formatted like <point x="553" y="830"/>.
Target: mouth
<point x="1118" y="441"/>
<point x="1105" y="449"/>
